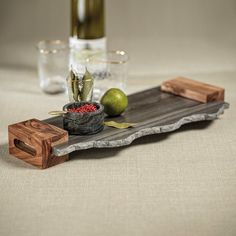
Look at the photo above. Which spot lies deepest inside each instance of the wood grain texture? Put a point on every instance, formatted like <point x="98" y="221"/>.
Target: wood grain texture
<point x="32" y="141"/>
<point x="154" y="112"/>
<point x="194" y="90"/>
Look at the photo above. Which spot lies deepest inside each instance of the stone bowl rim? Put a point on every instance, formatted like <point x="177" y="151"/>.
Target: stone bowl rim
<point x="80" y="114"/>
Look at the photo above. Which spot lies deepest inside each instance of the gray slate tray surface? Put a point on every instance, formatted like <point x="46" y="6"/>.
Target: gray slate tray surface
<point x="153" y="110"/>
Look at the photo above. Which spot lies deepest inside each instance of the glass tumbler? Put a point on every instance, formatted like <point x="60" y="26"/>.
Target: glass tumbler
<point x="53" y="65"/>
<point x="109" y="70"/>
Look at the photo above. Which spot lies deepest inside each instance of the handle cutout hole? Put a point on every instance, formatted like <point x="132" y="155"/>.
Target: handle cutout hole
<point x="24" y="147"/>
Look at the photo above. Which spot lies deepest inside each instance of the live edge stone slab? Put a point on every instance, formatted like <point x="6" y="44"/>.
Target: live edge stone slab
<point x="153" y="110"/>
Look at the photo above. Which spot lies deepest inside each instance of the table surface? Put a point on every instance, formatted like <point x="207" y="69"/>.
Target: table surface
<point x="181" y="183"/>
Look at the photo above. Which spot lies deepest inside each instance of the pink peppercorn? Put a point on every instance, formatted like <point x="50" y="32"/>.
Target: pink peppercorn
<point x="84" y="108"/>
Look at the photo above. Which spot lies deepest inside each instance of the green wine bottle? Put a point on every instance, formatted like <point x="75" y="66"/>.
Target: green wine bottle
<point x="87" y="28"/>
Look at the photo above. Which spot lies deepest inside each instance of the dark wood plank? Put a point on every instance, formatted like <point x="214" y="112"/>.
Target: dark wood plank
<point x="149" y="108"/>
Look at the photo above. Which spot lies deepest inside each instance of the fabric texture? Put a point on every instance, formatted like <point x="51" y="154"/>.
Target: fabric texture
<point x="181" y="183"/>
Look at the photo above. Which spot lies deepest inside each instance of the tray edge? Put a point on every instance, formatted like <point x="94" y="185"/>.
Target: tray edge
<point x="142" y="132"/>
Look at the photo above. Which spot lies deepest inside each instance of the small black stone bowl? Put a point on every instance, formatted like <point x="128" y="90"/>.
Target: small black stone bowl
<point x="83" y="123"/>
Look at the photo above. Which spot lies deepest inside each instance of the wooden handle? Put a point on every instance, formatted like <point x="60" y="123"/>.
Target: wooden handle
<point x="194" y="90"/>
<point x="25" y="147"/>
<point x="32" y="142"/>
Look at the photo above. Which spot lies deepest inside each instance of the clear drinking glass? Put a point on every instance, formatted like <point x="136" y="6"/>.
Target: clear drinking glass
<point x="109" y="70"/>
<point x="53" y="65"/>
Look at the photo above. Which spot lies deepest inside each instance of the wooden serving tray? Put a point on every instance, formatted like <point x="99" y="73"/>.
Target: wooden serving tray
<point x="153" y="110"/>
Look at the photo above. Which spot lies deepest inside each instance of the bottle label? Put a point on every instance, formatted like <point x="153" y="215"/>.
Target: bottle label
<point x="91" y="44"/>
<point x="81" y="49"/>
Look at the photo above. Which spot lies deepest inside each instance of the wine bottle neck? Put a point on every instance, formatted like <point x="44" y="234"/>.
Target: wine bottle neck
<point x="87" y="19"/>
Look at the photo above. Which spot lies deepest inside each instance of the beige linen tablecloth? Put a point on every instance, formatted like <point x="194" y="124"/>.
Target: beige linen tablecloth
<point x="181" y="183"/>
